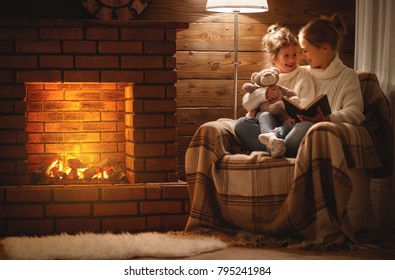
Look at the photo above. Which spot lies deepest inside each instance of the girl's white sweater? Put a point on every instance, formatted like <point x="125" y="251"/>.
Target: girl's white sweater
<point x="300" y="81"/>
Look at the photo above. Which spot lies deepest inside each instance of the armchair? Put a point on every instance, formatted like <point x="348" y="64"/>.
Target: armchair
<point x="320" y="197"/>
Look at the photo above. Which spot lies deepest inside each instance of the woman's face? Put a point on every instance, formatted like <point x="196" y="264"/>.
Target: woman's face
<point x="316" y="57"/>
<point x="286" y="60"/>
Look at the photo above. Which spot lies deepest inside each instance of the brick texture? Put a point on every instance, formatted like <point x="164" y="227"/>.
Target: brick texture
<point x="31" y="210"/>
<point x="47" y="63"/>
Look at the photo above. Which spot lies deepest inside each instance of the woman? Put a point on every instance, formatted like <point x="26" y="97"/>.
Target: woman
<point x="320" y="41"/>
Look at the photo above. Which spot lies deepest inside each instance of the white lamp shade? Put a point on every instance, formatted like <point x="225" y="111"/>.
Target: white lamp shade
<point x="241" y="6"/>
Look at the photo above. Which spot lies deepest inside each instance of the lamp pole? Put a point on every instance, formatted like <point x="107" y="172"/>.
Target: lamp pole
<point x="236" y="60"/>
<point x="236" y="7"/>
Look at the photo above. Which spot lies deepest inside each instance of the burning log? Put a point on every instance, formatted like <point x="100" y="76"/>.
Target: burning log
<point x="74" y="164"/>
<point x="110" y="166"/>
<point x="91" y="171"/>
<point x="38" y="175"/>
<point x="118" y="177"/>
<point x="56" y="172"/>
<point x="73" y="175"/>
<point x="97" y="168"/>
<point x="107" y="169"/>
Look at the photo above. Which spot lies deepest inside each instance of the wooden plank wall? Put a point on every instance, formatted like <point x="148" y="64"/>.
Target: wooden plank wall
<point x="205" y="53"/>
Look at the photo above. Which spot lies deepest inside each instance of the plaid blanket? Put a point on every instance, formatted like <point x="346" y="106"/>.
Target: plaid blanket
<point x="303" y="198"/>
<point x="378" y="120"/>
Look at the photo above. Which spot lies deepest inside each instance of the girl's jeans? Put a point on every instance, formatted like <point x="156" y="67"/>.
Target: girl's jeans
<point x="248" y="130"/>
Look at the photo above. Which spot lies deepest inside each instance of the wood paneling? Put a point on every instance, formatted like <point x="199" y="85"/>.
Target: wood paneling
<point x="216" y="65"/>
<point x="205" y="58"/>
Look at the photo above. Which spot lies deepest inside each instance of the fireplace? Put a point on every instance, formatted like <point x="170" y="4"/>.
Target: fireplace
<point x="49" y="57"/>
<point x="91" y="90"/>
<point x="76" y="132"/>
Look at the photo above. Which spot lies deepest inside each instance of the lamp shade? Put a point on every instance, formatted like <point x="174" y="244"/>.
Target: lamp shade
<point x="230" y="6"/>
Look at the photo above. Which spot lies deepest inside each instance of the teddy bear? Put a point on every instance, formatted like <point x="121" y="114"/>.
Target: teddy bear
<point x="255" y="100"/>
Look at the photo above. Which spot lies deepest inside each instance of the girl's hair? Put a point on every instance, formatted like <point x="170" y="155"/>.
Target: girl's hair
<point x="276" y="38"/>
<point x="330" y="30"/>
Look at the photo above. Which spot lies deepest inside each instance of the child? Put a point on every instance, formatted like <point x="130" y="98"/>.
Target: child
<point x="280" y="49"/>
<point x="257" y="106"/>
<point x="320" y="41"/>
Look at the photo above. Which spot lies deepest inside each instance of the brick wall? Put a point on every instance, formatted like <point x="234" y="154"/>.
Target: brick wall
<point x="33" y="210"/>
<point x="138" y="52"/>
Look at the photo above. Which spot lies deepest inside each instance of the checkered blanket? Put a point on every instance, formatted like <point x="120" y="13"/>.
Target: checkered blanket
<point x="303" y="198"/>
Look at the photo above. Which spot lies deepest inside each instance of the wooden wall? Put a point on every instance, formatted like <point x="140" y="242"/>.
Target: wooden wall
<point x="205" y="58"/>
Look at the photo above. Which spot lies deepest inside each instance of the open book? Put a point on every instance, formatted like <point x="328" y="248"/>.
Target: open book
<point x="294" y="109"/>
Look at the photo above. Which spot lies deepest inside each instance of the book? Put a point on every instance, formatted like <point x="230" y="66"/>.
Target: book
<point x="310" y="109"/>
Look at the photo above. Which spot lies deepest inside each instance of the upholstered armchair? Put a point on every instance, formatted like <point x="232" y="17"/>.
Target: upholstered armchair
<point x="320" y="196"/>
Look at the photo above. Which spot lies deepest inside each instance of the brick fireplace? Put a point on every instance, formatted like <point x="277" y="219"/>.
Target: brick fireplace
<point x="97" y="89"/>
<point x="80" y="121"/>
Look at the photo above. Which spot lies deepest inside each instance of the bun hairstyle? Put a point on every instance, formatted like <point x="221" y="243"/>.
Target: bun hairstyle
<point x="325" y="30"/>
<point x="273" y="28"/>
<point x="276" y="38"/>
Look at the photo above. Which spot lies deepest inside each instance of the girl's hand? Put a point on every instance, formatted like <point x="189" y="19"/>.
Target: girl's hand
<point x="319" y="117"/>
<point x="253" y="113"/>
<point x="272" y="93"/>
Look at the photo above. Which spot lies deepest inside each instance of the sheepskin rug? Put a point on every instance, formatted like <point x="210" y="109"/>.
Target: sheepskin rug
<point x="91" y="246"/>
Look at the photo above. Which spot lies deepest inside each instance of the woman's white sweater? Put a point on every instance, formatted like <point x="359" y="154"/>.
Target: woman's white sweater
<point x="341" y="84"/>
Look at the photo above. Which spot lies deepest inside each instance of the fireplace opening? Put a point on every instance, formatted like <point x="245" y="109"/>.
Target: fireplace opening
<point x="76" y="132"/>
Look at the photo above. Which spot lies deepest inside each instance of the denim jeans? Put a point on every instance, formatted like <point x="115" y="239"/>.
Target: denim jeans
<point x="267" y="122"/>
<point x="248" y="130"/>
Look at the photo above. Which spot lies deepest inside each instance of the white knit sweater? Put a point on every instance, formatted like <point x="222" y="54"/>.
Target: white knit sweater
<point x="301" y="82"/>
<point x="341" y="84"/>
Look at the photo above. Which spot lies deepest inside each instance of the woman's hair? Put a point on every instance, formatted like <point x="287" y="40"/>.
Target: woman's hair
<point x="330" y="30"/>
<point x="276" y="38"/>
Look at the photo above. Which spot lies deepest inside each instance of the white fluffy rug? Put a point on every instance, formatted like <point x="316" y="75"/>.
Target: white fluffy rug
<point x="90" y="246"/>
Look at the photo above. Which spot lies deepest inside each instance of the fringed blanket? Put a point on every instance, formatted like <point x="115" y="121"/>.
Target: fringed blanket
<point x="303" y="198"/>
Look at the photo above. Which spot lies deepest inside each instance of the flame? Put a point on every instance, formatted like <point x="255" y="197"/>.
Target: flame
<point x="59" y="168"/>
<point x="69" y="167"/>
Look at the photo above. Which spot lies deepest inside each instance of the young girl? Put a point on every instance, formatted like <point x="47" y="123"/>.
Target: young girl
<point x="320" y="41"/>
<point x="263" y="132"/>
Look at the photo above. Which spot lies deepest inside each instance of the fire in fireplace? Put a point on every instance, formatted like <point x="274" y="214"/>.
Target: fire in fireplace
<point x="76" y="132"/>
<point x="70" y="169"/>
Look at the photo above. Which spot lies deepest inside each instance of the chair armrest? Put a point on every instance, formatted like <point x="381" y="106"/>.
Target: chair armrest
<point x="378" y="120"/>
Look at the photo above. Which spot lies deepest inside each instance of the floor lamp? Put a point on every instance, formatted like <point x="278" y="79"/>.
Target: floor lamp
<point x="236" y="7"/>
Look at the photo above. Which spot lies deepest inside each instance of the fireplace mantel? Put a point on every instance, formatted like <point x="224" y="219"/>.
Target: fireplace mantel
<point x="16" y="23"/>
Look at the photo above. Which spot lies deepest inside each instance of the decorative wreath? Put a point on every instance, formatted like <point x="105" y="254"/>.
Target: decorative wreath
<point x="116" y="9"/>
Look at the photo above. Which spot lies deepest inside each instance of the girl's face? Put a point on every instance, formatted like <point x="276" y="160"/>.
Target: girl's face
<point x="286" y="60"/>
<point x="316" y="57"/>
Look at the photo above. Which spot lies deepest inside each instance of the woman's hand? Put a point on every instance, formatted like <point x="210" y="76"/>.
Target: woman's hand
<point x="319" y="117"/>
<point x="290" y="121"/>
